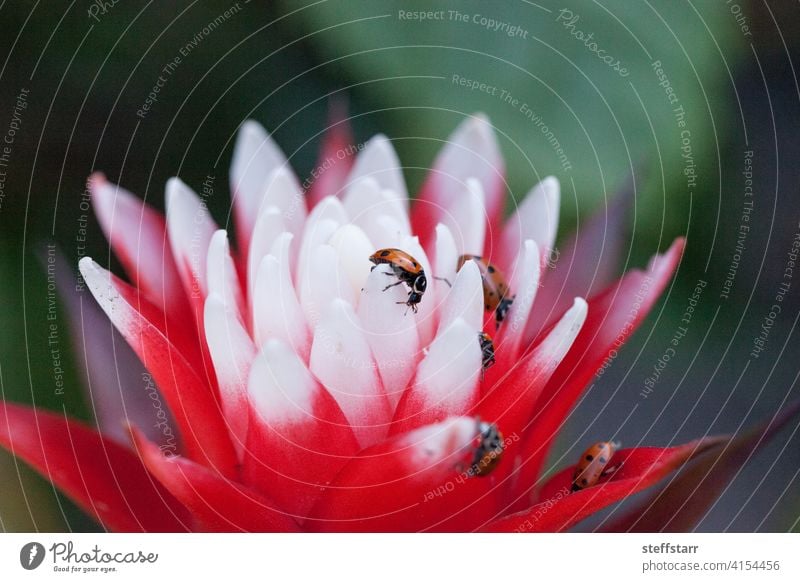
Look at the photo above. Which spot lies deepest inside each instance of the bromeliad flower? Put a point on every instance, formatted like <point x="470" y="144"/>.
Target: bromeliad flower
<point x="359" y="362"/>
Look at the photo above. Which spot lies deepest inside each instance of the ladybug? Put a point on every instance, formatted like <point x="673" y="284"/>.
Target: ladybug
<point x="407" y="269"/>
<point x="496" y="294"/>
<point x="593" y="465"/>
<point x="487" y="349"/>
<point x="488" y="451"/>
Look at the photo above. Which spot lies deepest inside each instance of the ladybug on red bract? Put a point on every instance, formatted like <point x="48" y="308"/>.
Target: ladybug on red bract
<point x="407" y="269"/>
<point x="487" y="350"/>
<point x="593" y="464"/>
<point x="496" y="293"/>
<point x="489" y="450"/>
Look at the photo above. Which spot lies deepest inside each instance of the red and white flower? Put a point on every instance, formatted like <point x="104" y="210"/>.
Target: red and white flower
<point x="305" y="397"/>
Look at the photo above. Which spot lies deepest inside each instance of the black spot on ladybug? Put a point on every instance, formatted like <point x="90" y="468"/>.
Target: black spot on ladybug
<point x="486" y="307"/>
<point x="386" y="253"/>
<point x="603" y="459"/>
<point x="590" y="458"/>
<point x="584" y="481"/>
<point x="490" y="269"/>
<point x="414" y="263"/>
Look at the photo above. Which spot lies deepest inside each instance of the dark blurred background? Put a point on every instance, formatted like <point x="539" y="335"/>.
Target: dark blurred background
<point x="75" y="74"/>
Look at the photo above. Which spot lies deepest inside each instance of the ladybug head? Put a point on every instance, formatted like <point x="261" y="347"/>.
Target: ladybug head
<point x="502" y="309"/>
<point x="413" y="299"/>
<point x="418" y="286"/>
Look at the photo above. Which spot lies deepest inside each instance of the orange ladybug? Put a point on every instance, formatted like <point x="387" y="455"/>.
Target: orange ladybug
<point x="407" y="269"/>
<point x="593" y="465"/>
<point x="488" y="451"/>
<point x="487" y="349"/>
<point x="496" y="294"/>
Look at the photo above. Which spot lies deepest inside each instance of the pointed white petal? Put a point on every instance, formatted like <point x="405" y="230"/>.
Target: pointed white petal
<point x="136" y="233"/>
<point x="323" y="221"/>
<point x="341" y="359"/>
<point x="283" y="191"/>
<point x="329" y="208"/>
<point x="379" y="161"/>
<point x="255" y="157"/>
<point x="190" y="228"/>
<point x="442" y="441"/>
<point x="365" y="201"/>
<point x="232" y="353"/>
<point x="536" y="219"/>
<point x="558" y="342"/>
<point x="320" y="234"/>
<point x="222" y="278"/>
<point x="388" y="232"/>
<point x="466" y="219"/>
<point x="391" y="334"/>
<point x="276" y="309"/>
<point x="465" y="300"/>
<point x="267" y="229"/>
<point x="524" y="285"/>
<point x="426" y="309"/>
<point x="323" y="282"/>
<point x="445" y="261"/>
<point x="280" y="387"/>
<point x="448" y="376"/>
<point x="471" y="151"/>
<point x="354" y="250"/>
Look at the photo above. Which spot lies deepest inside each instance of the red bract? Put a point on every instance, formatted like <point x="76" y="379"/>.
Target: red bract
<point x="305" y="393"/>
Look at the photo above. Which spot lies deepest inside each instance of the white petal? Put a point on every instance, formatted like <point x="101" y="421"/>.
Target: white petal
<point x="190" y="228"/>
<point x="320" y="234"/>
<point x="329" y="208"/>
<point x="354" y="250"/>
<point x="536" y="218"/>
<point x="524" y="285"/>
<point x="222" y="278"/>
<point x="276" y="309"/>
<point x="446" y="261"/>
<point x="391" y="334"/>
<point x="365" y="201"/>
<point x="426" y="309"/>
<point x="342" y="360"/>
<point x="283" y="191"/>
<point x="471" y="151"/>
<point x="389" y="233"/>
<point x="232" y="353"/>
<point x="323" y="282"/>
<point x="136" y="233"/>
<point x="280" y="387"/>
<point x="465" y="300"/>
<point x="268" y="226"/>
<point x="448" y="376"/>
<point x="323" y="221"/>
<point x="558" y="342"/>
<point x="379" y="161"/>
<point x="442" y="441"/>
<point x="255" y="157"/>
<point x="466" y="219"/>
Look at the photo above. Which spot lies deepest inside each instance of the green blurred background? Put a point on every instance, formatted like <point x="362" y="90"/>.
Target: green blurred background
<point x="89" y="66"/>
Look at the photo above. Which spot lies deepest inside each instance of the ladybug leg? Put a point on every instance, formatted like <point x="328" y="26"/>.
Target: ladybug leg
<point x="411" y="307"/>
<point x="449" y="284"/>
<point x="393" y="285"/>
